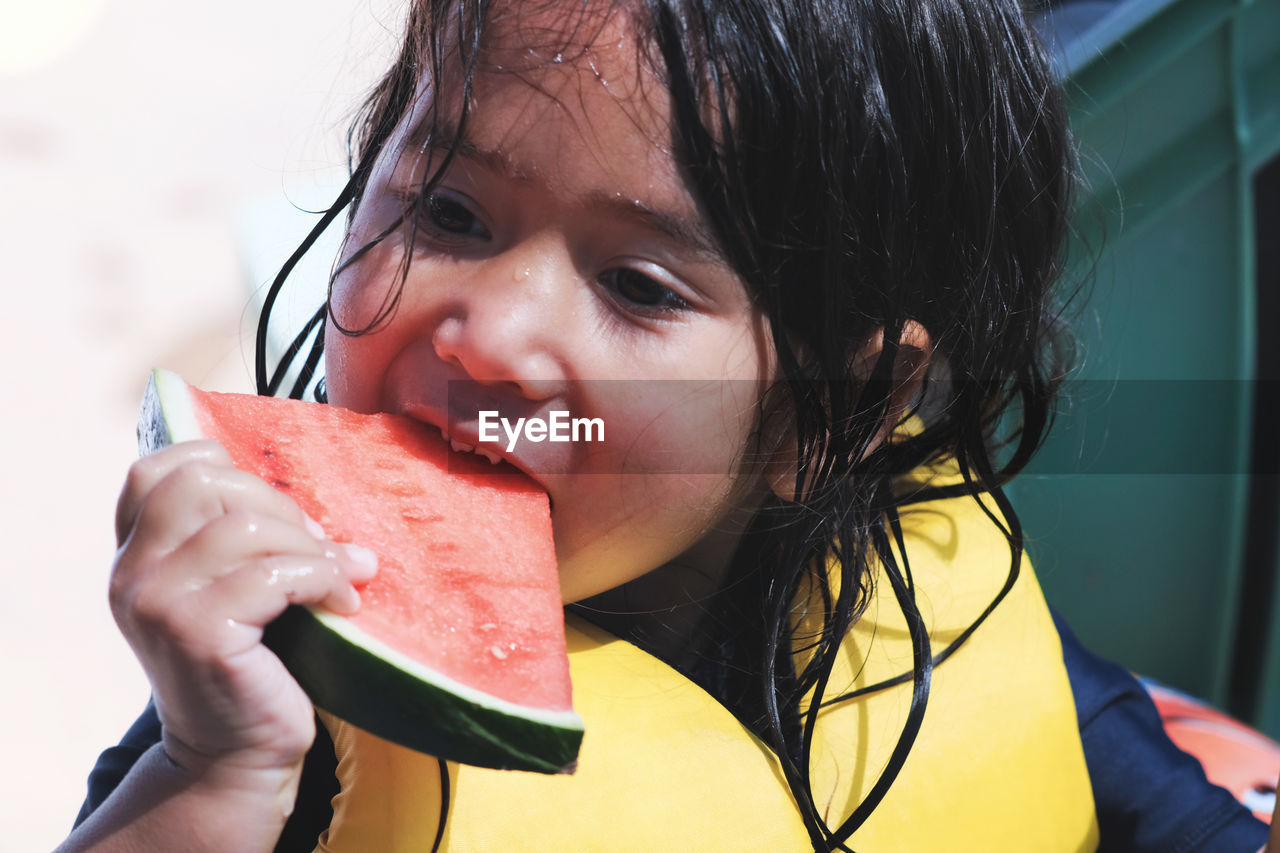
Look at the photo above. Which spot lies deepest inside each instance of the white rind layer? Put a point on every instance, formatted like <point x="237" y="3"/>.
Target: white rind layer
<point x="167" y="416"/>
<point x="355" y="635"/>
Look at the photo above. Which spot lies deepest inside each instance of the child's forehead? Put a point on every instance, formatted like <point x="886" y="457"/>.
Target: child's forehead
<point x="582" y="85"/>
<point x="519" y="33"/>
<point x="592" y="52"/>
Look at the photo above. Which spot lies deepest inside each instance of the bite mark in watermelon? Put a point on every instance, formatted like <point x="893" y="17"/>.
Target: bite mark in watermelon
<point x="458" y="649"/>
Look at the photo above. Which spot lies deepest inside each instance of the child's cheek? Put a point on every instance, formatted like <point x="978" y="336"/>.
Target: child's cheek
<point x="363" y="288"/>
<point x="356" y="359"/>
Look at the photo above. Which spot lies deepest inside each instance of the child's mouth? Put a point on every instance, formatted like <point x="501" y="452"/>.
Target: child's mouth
<point x="463" y="447"/>
<point x="495" y="459"/>
<point x="463" y="439"/>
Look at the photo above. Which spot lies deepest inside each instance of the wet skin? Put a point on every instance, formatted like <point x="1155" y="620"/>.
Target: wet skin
<point x="562" y="248"/>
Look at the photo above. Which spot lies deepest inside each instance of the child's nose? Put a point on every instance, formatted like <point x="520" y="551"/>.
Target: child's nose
<point x="506" y="323"/>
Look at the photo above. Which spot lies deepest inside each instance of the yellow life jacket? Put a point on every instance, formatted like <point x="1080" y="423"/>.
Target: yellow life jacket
<point x="997" y="765"/>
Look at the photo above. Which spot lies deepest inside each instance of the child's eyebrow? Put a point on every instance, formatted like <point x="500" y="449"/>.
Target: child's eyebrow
<point x="444" y="136"/>
<point x="690" y="231"/>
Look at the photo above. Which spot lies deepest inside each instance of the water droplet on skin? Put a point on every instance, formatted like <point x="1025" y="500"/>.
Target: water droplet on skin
<point x="558" y="58"/>
<point x="591" y="63"/>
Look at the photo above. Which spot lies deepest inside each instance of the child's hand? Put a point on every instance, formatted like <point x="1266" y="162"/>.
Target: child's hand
<point x="208" y="556"/>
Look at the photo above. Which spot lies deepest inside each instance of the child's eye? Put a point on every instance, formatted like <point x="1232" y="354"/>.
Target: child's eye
<point x="640" y="292"/>
<point x="447" y="214"/>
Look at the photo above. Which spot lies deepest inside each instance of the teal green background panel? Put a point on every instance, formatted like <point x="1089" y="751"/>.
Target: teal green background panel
<point x="1146" y="565"/>
<point x="1136" y="510"/>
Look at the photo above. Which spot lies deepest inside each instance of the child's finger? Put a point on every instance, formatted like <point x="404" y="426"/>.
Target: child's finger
<point x="226" y="541"/>
<point x="147" y="590"/>
<point x="197" y="491"/>
<point x="260" y="590"/>
<point x="146" y="473"/>
<point x="225" y="618"/>
<point x="361" y="563"/>
<point x="181" y="628"/>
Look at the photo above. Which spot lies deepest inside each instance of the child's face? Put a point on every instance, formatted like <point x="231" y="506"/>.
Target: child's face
<point x="562" y="248"/>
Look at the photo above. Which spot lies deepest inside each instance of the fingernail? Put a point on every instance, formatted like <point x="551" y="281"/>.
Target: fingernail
<point x="352" y="602"/>
<point x="345" y="600"/>
<point x="362" y="556"/>
<point x="314" y="528"/>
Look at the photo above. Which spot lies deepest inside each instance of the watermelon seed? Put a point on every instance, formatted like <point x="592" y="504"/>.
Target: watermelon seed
<point x="281" y="484"/>
<point x="498" y="652"/>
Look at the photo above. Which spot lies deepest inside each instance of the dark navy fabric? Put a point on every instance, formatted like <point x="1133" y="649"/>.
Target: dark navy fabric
<point x="316" y="791"/>
<point x="116" y="761"/>
<point x="1149" y="795"/>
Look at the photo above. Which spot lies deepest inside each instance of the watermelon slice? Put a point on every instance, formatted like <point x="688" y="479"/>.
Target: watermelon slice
<point x="458" y="649"/>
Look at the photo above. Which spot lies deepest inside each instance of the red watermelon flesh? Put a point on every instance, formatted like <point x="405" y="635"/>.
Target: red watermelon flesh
<point x="466" y="588"/>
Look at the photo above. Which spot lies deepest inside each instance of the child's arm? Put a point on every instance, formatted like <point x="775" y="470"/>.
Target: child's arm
<point x="163" y="806"/>
<point x="208" y="556"/>
<point x="1149" y="794"/>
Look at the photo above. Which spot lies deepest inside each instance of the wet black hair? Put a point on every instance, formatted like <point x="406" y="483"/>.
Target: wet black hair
<point x="864" y="165"/>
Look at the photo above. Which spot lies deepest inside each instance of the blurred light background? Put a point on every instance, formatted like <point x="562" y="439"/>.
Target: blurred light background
<point x="146" y="148"/>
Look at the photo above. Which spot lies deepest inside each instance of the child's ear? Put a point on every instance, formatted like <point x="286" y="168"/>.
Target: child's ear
<point x="915" y="349"/>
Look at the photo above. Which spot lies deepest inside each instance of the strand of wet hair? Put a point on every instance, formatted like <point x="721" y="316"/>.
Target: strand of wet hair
<point x="444" y="804"/>
<point x="922" y="672"/>
<point x="1008" y="524"/>
<point x="269" y="386"/>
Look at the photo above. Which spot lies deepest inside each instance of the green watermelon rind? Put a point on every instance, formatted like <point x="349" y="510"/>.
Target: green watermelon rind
<point x="370" y="684"/>
<point x="344" y="671"/>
